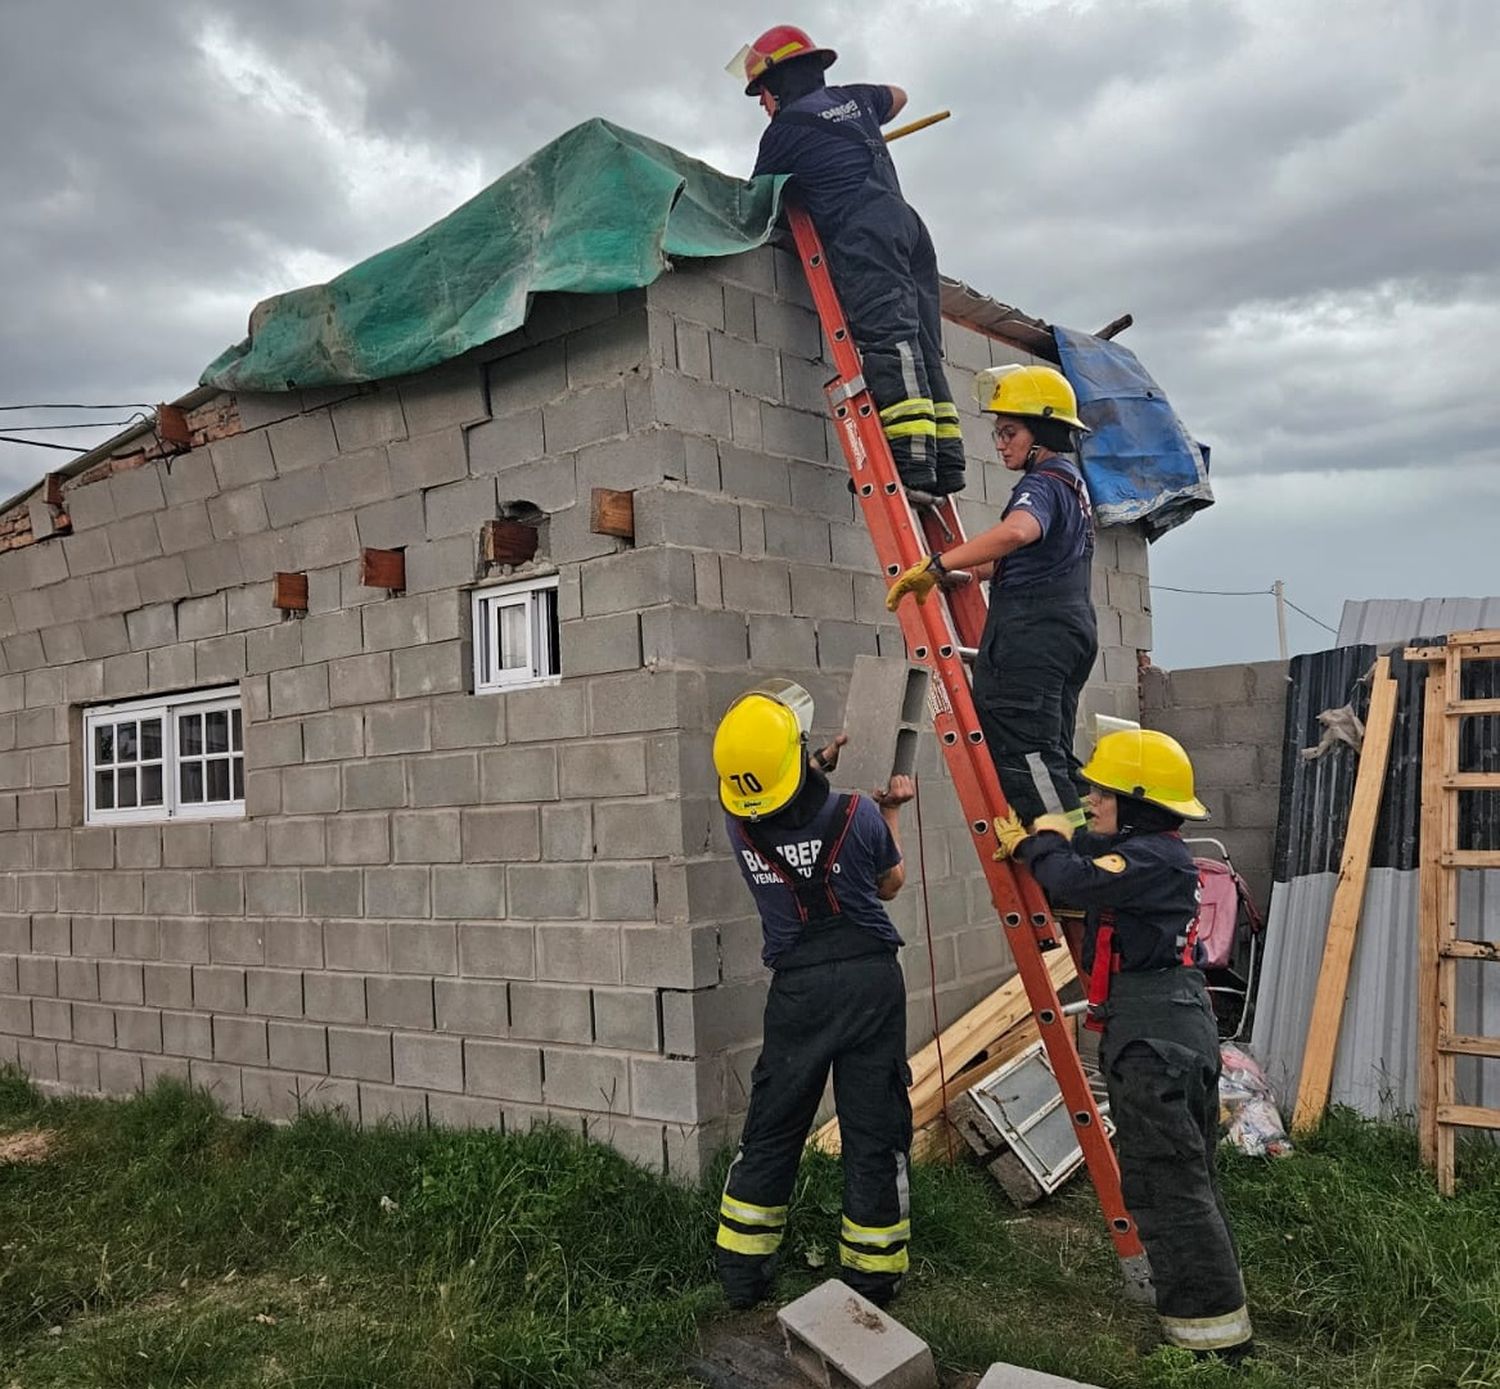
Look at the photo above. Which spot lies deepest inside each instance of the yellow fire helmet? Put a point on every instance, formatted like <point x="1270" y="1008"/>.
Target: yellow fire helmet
<point x="760" y="749"/>
<point x="1148" y="766"/>
<point x="1030" y="392"/>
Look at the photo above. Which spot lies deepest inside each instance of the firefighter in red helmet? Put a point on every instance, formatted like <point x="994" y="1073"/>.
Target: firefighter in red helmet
<point x="884" y="267"/>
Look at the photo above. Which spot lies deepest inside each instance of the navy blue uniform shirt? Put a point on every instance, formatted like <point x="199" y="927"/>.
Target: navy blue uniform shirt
<point x="828" y="170"/>
<point x="1149" y="882"/>
<point x="868" y="851"/>
<point x="1066" y="519"/>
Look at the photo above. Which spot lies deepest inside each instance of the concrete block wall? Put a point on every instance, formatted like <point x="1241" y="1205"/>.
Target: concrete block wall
<point x="1231" y="719"/>
<point x="468" y="909"/>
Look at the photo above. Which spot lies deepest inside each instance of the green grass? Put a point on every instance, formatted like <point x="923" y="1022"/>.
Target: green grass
<point x="163" y="1245"/>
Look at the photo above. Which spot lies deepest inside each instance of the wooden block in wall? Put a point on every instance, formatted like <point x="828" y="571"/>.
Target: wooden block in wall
<point x="383" y="569"/>
<point x="612" y="513"/>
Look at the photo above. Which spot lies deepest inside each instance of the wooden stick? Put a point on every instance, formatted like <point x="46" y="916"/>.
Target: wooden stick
<point x="914" y="126"/>
<point x="1348" y="899"/>
<point x="1430" y="898"/>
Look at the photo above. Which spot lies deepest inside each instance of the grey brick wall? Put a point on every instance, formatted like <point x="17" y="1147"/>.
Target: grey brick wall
<point x="1231" y="720"/>
<point x="476" y="909"/>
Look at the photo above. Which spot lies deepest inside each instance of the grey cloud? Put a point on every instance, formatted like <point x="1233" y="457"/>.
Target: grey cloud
<point x="1296" y="202"/>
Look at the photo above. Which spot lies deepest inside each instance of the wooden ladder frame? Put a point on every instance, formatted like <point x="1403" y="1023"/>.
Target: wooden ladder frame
<point x="1439" y="948"/>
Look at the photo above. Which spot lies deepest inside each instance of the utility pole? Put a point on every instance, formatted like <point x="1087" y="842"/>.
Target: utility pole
<point x="1279" y="589"/>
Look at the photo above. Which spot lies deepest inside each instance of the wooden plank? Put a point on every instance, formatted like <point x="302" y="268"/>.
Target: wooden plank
<point x="383" y="569"/>
<point x="1468" y="1116"/>
<point x="1470" y="950"/>
<point x="1447" y="981"/>
<point x="289" y="592"/>
<point x="612" y="513"/>
<point x="1470" y="858"/>
<point x="1463" y="708"/>
<point x="984" y="1031"/>
<point x="1469" y="1046"/>
<point x="1472" y="781"/>
<point x="1479" y="636"/>
<point x="507" y="542"/>
<point x="1430" y="876"/>
<point x="1348" y="900"/>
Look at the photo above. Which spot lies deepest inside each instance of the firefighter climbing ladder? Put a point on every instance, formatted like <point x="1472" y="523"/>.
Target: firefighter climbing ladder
<point x="936" y="633"/>
<point x="1440" y="950"/>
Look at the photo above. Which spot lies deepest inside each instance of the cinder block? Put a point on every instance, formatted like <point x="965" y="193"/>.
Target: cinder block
<point x="590" y="1080"/>
<point x="296" y="1046"/>
<point x="297" y="842"/>
<point x="885" y="716"/>
<point x="755" y="586"/>
<point x="444" y="780"/>
<point x="136" y="1029"/>
<point x="356" y="945"/>
<point x="294" y="944"/>
<point x="1000" y="1376"/>
<point x="503" y="1071"/>
<point x="837" y="1338"/>
<point x="782" y="643"/>
<point x="499" y="951"/>
<point x="274" y="992"/>
<point x="622" y="892"/>
<point x="359" y="679"/>
<point x="685" y="1092"/>
<point x="427" y="836"/>
<point x="473" y="1007"/>
<point x="585" y="954"/>
<point x="332" y="891"/>
<point x="670" y="956"/>
<point x="321" y="1095"/>
<point x="399" y="1002"/>
<point x="237" y="461"/>
<point x="640" y="828"/>
<point x="53" y="1018"/>
<point x="374" y="785"/>
<point x="120" y="981"/>
<point x="550" y="1013"/>
<point x="240" y="1041"/>
<point x="500" y="835"/>
<point x="268" y="1094"/>
<point x="468" y="891"/>
<point x="421" y="947"/>
<point x="437" y="668"/>
<point x="428" y="1063"/>
<point x="359" y="839"/>
<point x="626" y="1019"/>
<point x="398" y="892"/>
<point x="334" y="997"/>
<point x="359" y="1053"/>
<point x="525" y="773"/>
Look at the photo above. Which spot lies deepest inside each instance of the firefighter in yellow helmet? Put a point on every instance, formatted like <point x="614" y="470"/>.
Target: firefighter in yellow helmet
<point x="1041" y="639"/>
<point x="1159" y="1051"/>
<point x="821" y="866"/>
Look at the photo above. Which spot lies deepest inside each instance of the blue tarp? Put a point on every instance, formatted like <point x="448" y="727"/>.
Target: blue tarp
<point x="1139" y="462"/>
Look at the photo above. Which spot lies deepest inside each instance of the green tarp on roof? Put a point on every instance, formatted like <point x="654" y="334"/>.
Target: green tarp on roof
<point x="600" y="209"/>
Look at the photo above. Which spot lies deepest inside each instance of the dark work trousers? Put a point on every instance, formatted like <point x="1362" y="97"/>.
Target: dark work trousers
<point x="885" y="270"/>
<point x="849" y="1015"/>
<point x="1038" y="649"/>
<point x="1160" y="1054"/>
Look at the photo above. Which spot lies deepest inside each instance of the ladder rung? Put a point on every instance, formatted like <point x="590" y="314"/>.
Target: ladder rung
<point x="1472" y="781"/>
<point x="1469" y="1046"/>
<point x="1469" y="950"/>
<point x="968" y="654"/>
<point x="1468" y="1116"/>
<point x="1470" y="858"/>
<point x="1460" y="708"/>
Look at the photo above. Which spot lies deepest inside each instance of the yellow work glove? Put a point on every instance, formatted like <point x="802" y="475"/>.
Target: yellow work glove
<point x="1058" y="824"/>
<point x="1011" y="833"/>
<point x="920" y="579"/>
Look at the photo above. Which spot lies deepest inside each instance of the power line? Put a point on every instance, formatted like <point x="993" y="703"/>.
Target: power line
<point x="1246" y="593"/>
<point x="1218" y="592"/>
<point x="91" y="424"/>
<point x="1309" y="616"/>
<point x="128" y="405"/>
<point x="41" y="444"/>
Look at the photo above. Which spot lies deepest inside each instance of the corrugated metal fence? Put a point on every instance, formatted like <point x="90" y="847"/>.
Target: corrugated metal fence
<point x="1375" y="1069"/>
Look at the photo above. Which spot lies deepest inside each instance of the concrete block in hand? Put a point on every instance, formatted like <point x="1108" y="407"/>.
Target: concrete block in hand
<point x="884" y="715"/>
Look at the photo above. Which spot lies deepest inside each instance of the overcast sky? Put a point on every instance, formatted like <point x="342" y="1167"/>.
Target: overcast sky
<point x="1298" y="201"/>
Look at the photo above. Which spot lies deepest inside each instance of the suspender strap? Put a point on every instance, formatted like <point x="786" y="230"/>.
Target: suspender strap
<point x="1106" y="963"/>
<point x="814" y="893"/>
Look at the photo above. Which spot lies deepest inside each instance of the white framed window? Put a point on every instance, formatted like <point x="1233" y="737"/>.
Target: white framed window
<point x="515" y="635"/>
<point x="176" y="757"/>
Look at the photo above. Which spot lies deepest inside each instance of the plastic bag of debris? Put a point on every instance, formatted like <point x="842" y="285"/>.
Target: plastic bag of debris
<point x="1248" y="1117"/>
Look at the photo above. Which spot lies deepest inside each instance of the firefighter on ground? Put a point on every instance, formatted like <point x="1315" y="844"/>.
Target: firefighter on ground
<point x="1041" y="638"/>
<point x="820" y="866"/>
<point x="1137" y="882"/>
<point x="880" y="255"/>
